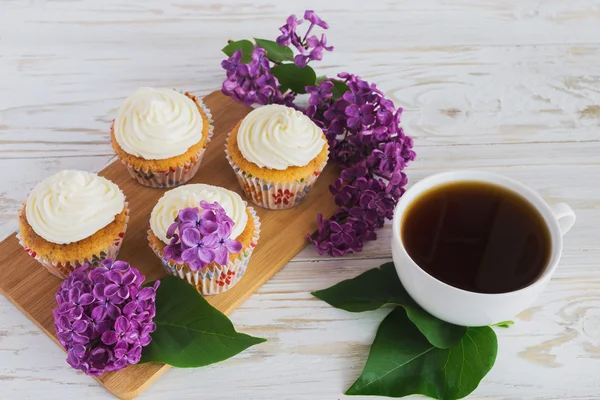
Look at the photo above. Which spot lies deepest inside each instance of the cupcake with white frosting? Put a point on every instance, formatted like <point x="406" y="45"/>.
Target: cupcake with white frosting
<point x="72" y="218"/>
<point x="277" y="153"/>
<point x="161" y="136"/>
<point x="182" y="255"/>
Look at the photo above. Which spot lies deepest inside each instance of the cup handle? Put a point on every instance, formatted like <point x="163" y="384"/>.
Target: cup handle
<point x="564" y="215"/>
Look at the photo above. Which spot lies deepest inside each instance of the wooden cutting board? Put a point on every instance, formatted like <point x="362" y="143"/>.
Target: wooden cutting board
<point x="283" y="234"/>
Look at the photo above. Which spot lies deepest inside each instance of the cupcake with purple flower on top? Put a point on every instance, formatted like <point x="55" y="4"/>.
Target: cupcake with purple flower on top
<point x="204" y="234"/>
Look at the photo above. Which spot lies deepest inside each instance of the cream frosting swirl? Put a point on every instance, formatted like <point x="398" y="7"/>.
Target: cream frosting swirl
<point x="278" y="137"/>
<point x="158" y="123"/>
<point x="72" y="205"/>
<point x="169" y="205"/>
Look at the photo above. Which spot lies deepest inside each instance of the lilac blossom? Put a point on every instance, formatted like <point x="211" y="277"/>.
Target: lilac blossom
<point x="288" y="32"/>
<point x="225" y="245"/>
<point x="199" y="238"/>
<point x="321" y="93"/>
<point x="90" y="318"/>
<point x="366" y="140"/>
<point x="309" y="47"/>
<point x="362" y="127"/>
<point x="252" y="83"/>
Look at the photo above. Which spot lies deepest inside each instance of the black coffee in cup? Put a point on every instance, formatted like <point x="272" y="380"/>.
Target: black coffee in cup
<point x="477" y="236"/>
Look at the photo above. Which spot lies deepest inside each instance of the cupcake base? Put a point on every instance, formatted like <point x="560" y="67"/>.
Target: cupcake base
<point x="214" y="279"/>
<point x="62" y="269"/>
<point x="274" y="195"/>
<point x="166" y="179"/>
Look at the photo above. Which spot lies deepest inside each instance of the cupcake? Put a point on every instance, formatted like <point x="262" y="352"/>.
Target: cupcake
<point x="277" y="153"/>
<point x="161" y="136"/>
<point x="204" y="234"/>
<point x="73" y="218"/>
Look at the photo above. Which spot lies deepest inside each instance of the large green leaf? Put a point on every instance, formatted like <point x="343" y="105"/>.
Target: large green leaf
<point x="189" y="331"/>
<point x="439" y="333"/>
<point x="371" y="290"/>
<point x="275" y="52"/>
<point x="245" y="46"/>
<point x="290" y="76"/>
<point x="403" y="362"/>
<point x="380" y="287"/>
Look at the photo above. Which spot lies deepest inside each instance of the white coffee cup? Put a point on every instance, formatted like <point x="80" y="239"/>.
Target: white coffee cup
<point x="459" y="306"/>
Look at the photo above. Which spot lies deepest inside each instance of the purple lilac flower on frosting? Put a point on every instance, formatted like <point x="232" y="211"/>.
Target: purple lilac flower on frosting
<point x="104" y="316"/>
<point x="199" y="238"/>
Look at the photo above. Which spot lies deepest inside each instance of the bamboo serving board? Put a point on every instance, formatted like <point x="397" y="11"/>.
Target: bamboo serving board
<point x="283" y="234"/>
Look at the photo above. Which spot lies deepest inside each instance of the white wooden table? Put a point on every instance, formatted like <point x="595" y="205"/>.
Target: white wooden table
<point x="506" y="86"/>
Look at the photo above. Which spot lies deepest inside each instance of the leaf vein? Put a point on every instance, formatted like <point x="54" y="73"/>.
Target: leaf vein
<point x="399" y="366"/>
<point x="196" y="330"/>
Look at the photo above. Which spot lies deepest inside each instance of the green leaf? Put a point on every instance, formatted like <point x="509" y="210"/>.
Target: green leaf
<point x="275" y="52"/>
<point x="339" y="88"/>
<point x="371" y="290"/>
<point x="403" y="362"/>
<point x="504" y="324"/>
<point x="439" y="333"/>
<point x="320" y="79"/>
<point x="245" y="45"/>
<point x="190" y="332"/>
<point x="290" y="76"/>
<point x="381" y="287"/>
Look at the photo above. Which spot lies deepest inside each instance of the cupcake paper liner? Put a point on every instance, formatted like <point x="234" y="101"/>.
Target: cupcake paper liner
<point x="174" y="176"/>
<point x="273" y="195"/>
<point x="62" y="270"/>
<point x="216" y="279"/>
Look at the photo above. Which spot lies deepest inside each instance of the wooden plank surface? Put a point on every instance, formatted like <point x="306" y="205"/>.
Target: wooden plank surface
<point x="511" y="86"/>
<point x="31" y="288"/>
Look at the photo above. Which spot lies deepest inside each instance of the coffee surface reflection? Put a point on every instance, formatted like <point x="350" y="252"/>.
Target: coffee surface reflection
<point x="477" y="236"/>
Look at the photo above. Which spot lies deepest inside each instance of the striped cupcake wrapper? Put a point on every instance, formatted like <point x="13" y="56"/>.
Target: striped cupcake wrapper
<point x="273" y="195"/>
<point x="174" y="176"/>
<point x="216" y="279"/>
<point x="63" y="270"/>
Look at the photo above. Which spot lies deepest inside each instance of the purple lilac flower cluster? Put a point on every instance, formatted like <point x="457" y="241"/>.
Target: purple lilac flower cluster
<point x="199" y="238"/>
<point x="309" y="48"/>
<point x="254" y="83"/>
<point x="366" y="140"/>
<point x="104" y="316"/>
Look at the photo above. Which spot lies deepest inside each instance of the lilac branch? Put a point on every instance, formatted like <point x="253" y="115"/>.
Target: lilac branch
<point x="362" y="129"/>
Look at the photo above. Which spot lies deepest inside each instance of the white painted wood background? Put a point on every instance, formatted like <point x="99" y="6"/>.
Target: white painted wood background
<point x="505" y="86"/>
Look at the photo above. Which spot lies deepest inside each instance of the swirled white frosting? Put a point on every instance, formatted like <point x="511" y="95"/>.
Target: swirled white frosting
<point x="169" y="205"/>
<point x="72" y="205"/>
<point x="278" y="137"/>
<point x="158" y="123"/>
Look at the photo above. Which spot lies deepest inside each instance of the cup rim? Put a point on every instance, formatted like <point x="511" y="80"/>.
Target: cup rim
<point x="494" y="178"/>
